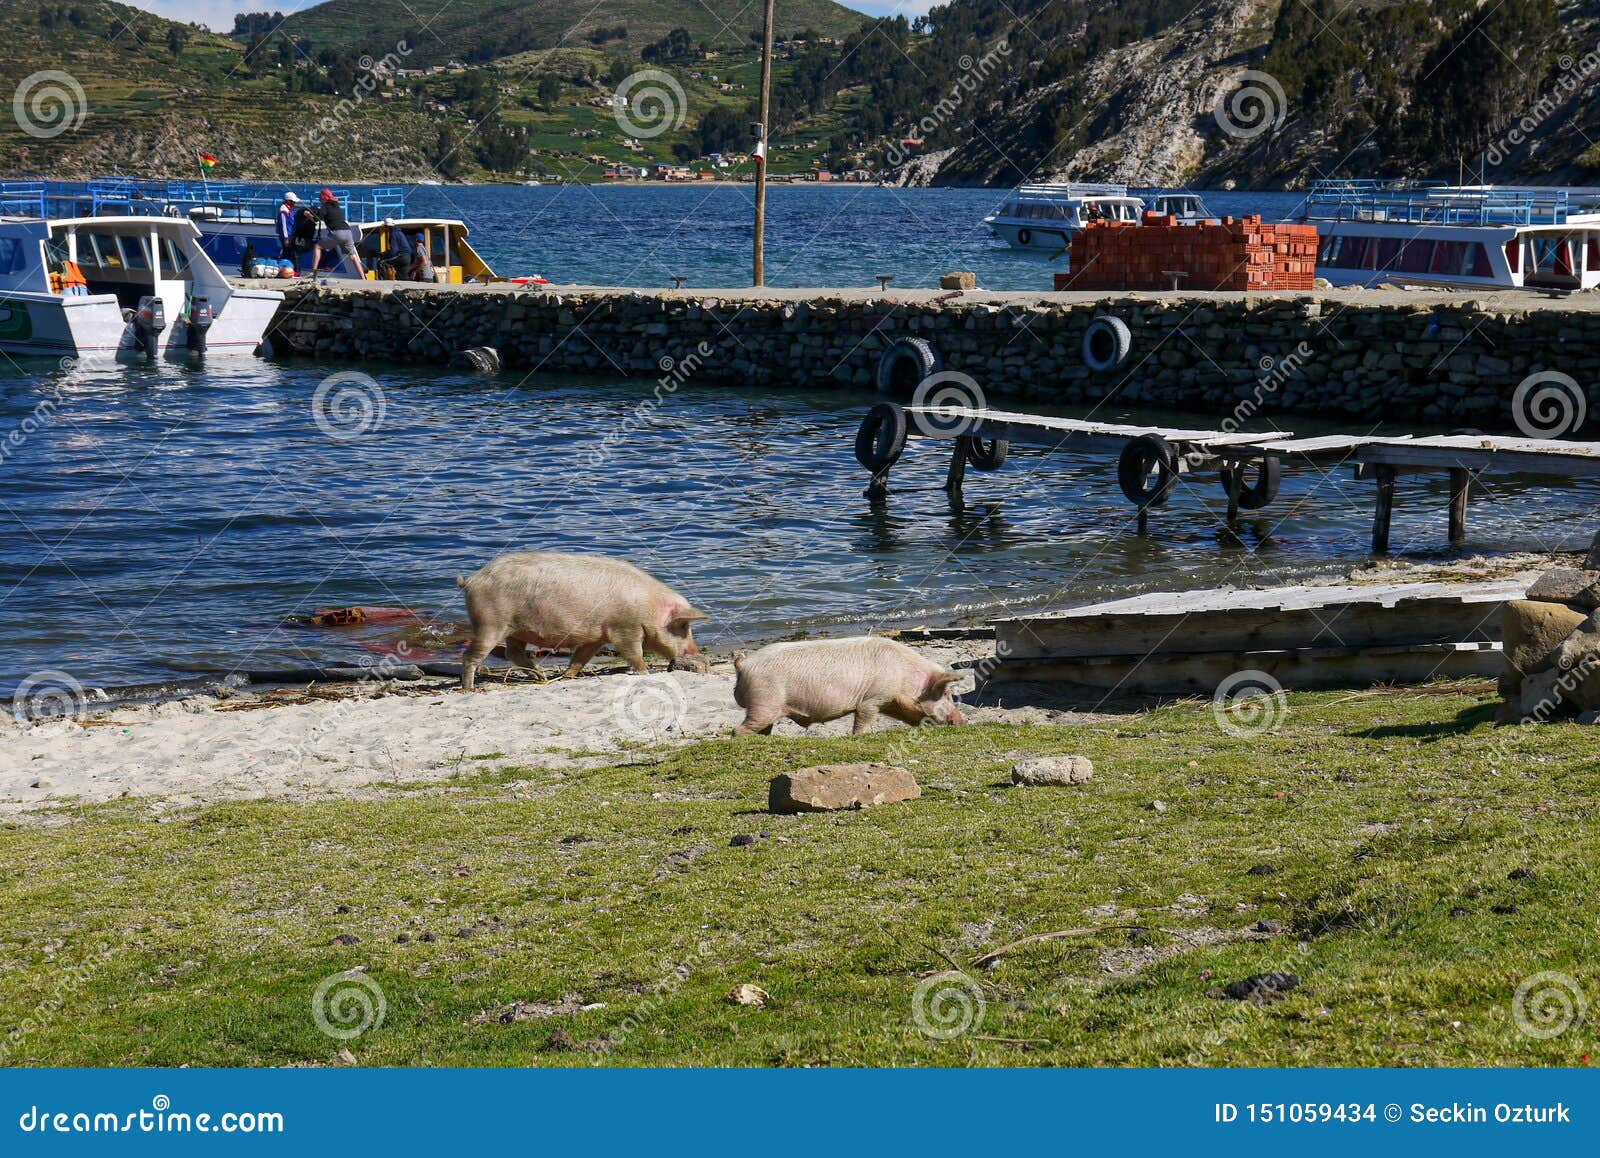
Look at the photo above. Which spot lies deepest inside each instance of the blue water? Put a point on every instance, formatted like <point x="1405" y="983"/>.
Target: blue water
<point x="817" y="235"/>
<point x="163" y="522"/>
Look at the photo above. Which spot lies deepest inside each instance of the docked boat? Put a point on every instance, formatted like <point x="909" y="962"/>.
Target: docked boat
<point x="1456" y="235"/>
<point x="1187" y="207"/>
<point x="1043" y="217"/>
<point x="237" y="220"/>
<point x="121" y="287"/>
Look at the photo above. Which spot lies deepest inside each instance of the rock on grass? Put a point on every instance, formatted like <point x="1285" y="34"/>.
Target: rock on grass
<point x="837" y="787"/>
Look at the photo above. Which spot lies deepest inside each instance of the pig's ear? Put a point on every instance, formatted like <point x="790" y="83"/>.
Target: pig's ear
<point x="688" y="615"/>
<point x="940" y="681"/>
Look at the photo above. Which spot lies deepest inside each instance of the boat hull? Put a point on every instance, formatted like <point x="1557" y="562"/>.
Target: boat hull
<point x="1046" y="238"/>
<point x="92" y="328"/>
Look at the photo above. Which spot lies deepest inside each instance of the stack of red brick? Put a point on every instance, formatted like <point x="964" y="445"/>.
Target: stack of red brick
<point x="1242" y="254"/>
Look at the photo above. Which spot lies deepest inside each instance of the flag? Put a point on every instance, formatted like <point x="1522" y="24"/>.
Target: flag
<point x="207" y="162"/>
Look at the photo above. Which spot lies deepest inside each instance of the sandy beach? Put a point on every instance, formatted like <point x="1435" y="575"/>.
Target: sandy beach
<point x="288" y="743"/>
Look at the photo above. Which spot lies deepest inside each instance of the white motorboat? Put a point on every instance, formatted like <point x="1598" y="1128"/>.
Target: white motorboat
<point x="1187" y="207"/>
<point x="1043" y="217"/>
<point x="121" y="287"/>
<point x="1456" y="235"/>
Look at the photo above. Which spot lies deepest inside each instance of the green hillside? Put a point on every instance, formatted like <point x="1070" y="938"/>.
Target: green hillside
<point x="475" y="31"/>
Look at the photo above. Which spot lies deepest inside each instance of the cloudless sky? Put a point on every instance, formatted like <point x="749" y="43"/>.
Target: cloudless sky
<point x="218" y="14"/>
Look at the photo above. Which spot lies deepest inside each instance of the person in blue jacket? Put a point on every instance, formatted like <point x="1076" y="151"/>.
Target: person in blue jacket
<point x="287" y="244"/>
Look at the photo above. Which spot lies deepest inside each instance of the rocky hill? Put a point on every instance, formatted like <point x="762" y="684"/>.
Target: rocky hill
<point x="475" y="31"/>
<point x="1259" y="93"/>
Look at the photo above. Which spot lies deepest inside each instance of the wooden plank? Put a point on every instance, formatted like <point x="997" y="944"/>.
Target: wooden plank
<point x="1201" y="674"/>
<point x="1554" y="460"/>
<point x="1230" y="621"/>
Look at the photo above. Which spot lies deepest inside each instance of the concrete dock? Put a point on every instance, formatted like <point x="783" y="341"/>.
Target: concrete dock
<point x="1393" y="355"/>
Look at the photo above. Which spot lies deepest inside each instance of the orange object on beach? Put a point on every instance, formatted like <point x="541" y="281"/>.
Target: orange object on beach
<point x="352" y="616"/>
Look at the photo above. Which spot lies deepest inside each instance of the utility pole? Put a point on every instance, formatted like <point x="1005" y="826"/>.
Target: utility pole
<point x="759" y="271"/>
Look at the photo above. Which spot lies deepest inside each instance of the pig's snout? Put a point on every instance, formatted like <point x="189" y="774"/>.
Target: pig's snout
<point x="955" y="716"/>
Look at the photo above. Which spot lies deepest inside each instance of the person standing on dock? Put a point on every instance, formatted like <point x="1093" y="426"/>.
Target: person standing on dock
<point x="340" y="236"/>
<point x="287" y="246"/>
<point x="397" y="251"/>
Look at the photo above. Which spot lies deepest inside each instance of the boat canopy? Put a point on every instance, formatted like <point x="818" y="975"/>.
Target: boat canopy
<point x="201" y="200"/>
<point x="1478" y="205"/>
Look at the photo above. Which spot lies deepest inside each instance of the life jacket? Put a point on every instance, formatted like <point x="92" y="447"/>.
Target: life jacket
<point x="72" y="276"/>
<point x="286" y="222"/>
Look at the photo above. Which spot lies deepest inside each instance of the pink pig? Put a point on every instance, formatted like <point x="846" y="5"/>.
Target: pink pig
<point x="577" y="602"/>
<point x="811" y="683"/>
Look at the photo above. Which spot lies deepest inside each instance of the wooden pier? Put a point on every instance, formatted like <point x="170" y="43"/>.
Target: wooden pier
<point x="1249" y="466"/>
<point x="1334" y="635"/>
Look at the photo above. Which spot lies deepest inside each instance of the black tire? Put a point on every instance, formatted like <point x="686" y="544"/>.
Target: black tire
<point x="882" y="437"/>
<point x="1106" y="344"/>
<point x="905" y="364"/>
<point x="1254" y="496"/>
<point x="1024" y="237"/>
<point x="1143" y="456"/>
<point x="983" y="455"/>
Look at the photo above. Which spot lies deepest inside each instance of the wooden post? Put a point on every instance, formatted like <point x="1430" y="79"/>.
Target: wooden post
<point x="758" y="273"/>
<point x="878" y="488"/>
<point x="1235" y="480"/>
<point x="1380" y="518"/>
<point x="1144" y="520"/>
<point x="958" y="472"/>
<point x="1460" y="482"/>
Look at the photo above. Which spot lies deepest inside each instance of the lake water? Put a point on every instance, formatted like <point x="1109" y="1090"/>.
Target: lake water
<point x="817" y="235"/>
<point x="164" y="522"/>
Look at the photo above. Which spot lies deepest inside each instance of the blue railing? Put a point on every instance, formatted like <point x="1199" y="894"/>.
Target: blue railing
<point x="22" y="199"/>
<point x="208" y="200"/>
<point x="1435" y="205"/>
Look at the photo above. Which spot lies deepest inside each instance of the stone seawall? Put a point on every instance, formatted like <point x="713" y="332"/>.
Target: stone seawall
<point x="1422" y="357"/>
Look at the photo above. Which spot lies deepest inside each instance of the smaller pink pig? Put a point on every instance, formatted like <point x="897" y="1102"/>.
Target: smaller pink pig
<point x="811" y="683"/>
<point x="576" y="603"/>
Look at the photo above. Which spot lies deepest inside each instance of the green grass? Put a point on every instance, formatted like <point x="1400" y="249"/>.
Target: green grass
<point x="1393" y="821"/>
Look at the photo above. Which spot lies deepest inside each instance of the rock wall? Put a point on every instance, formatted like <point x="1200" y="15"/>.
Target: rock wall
<point x="1371" y="356"/>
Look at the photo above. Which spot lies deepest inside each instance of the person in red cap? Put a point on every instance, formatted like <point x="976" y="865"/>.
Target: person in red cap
<point x="340" y="235"/>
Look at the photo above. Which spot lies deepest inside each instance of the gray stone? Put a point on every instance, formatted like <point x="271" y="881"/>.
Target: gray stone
<point x="1052" y="770"/>
<point x="1531" y="631"/>
<point x="1592" y="560"/>
<point x="838" y="787"/>
<point x="1569" y="585"/>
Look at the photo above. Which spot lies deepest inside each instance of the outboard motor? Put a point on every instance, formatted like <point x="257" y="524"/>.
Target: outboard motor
<point x="199" y="321"/>
<point x="149" y="320"/>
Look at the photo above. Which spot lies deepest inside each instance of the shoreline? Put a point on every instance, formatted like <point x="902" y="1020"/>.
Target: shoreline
<point x="321" y="741"/>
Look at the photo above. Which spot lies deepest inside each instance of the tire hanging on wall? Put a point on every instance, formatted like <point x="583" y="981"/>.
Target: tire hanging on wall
<point x="905" y="364"/>
<point x="1143" y="456"/>
<point x="1254" y="496"/>
<point x="1024" y="237"/>
<point x="1106" y="343"/>
<point x="882" y="437"/>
